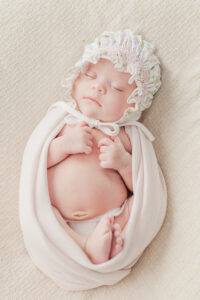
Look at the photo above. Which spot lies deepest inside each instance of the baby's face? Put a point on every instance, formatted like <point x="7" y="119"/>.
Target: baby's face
<point x="108" y="88"/>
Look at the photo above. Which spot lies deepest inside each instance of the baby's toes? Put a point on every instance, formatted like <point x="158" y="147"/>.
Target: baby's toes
<point x="117" y="246"/>
<point x="117" y="233"/>
<point x="116" y="227"/>
<point x="119" y="241"/>
<point x="117" y="249"/>
<point x="111" y="219"/>
<point x="106" y="226"/>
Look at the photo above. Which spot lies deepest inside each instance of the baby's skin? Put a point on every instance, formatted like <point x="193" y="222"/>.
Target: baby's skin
<point x="90" y="173"/>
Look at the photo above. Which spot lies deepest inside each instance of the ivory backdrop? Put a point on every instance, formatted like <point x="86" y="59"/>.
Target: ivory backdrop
<point x="39" y="41"/>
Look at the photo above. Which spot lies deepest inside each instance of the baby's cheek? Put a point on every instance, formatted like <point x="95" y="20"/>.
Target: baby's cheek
<point x="117" y="109"/>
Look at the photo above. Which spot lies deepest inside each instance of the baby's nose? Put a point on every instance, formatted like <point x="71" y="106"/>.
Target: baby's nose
<point x="100" y="87"/>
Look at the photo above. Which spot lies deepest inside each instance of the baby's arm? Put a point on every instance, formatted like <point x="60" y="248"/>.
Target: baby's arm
<point x="57" y="151"/>
<point x="114" y="154"/>
<point x="126" y="171"/>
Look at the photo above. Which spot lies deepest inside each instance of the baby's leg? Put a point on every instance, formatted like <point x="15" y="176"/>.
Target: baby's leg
<point x="119" y="227"/>
<point x="123" y="218"/>
<point x="98" y="245"/>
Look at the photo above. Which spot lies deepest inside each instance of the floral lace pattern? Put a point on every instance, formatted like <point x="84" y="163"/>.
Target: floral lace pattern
<point x="129" y="53"/>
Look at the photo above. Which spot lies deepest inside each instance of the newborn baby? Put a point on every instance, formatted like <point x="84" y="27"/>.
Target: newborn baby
<point x="90" y="166"/>
<point x="89" y="173"/>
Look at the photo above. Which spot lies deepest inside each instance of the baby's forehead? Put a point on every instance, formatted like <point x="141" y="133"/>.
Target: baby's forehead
<point x="104" y="65"/>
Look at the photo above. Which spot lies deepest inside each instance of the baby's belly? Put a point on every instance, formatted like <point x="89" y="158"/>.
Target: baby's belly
<point x="81" y="189"/>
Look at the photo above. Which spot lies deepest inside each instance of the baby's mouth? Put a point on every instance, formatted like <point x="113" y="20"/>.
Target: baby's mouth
<point x="93" y="100"/>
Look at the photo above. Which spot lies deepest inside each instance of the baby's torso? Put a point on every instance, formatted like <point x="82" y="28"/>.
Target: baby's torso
<point x="80" y="188"/>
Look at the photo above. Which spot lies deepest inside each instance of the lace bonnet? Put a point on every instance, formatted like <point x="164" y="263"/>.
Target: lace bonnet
<point x="129" y="53"/>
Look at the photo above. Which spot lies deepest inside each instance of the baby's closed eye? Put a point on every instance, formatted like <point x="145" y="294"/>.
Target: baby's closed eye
<point x="113" y="86"/>
<point x="117" y="88"/>
<point x="90" y="75"/>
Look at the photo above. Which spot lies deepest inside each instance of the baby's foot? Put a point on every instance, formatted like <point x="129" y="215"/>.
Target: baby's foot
<point x="117" y="240"/>
<point x="98" y="245"/>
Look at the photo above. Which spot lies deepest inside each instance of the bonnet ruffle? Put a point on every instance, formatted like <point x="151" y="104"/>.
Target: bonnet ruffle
<point x="129" y="53"/>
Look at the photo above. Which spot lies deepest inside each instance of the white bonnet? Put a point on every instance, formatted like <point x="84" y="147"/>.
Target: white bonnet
<point x="129" y="53"/>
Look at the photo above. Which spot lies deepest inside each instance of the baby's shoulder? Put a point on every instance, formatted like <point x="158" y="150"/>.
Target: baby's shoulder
<point x="125" y="140"/>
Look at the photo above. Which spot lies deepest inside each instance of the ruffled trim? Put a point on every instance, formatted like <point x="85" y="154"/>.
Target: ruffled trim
<point x="129" y="53"/>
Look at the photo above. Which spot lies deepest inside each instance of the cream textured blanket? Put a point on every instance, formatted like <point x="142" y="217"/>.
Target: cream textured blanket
<point x="51" y="249"/>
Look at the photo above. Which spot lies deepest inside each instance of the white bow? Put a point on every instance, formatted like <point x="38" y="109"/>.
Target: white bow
<point x="103" y="126"/>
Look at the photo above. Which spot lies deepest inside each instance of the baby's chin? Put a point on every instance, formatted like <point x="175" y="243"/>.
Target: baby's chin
<point x="89" y="111"/>
<point x="97" y="116"/>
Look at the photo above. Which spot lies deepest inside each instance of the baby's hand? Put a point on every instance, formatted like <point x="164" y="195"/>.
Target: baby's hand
<point x="79" y="139"/>
<point x="113" y="154"/>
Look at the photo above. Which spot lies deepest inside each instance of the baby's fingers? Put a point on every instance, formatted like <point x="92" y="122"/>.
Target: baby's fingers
<point x="89" y="143"/>
<point x="87" y="129"/>
<point x="103" y="149"/>
<point x="104" y="141"/>
<point x="85" y="126"/>
<point x="88" y="150"/>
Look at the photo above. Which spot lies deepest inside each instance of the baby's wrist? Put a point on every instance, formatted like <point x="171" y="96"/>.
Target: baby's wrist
<point x="66" y="148"/>
<point x="125" y="162"/>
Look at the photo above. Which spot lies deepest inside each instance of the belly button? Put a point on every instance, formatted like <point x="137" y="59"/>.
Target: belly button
<point x="80" y="214"/>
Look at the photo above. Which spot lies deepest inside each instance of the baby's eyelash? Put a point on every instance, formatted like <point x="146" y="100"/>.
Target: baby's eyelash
<point x="89" y="75"/>
<point x="119" y="90"/>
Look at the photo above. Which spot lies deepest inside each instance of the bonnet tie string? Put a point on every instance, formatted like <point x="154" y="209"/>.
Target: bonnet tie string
<point x="109" y="128"/>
